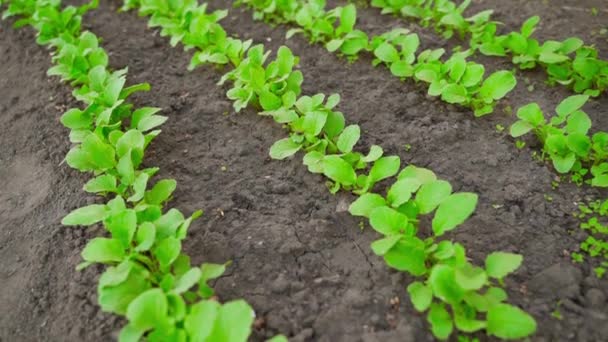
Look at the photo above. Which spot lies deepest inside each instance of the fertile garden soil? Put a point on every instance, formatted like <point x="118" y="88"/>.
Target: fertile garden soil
<point x="298" y="256"/>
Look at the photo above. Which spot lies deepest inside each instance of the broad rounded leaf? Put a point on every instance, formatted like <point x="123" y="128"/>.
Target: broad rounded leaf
<point x="382" y="246"/>
<point x="453" y="211"/>
<point x="497" y="85"/>
<point x="161" y="191"/>
<point x="431" y="195"/>
<point x="499" y="264"/>
<point x="509" y="322"/>
<point x="571" y="104"/>
<point x="420" y="295"/>
<point x="365" y="204"/>
<point x="520" y="128"/>
<point x="531" y="113"/>
<point x="338" y="170"/>
<point x="348" y="138"/>
<point x="441" y="322"/>
<point x="187" y="280"/>
<point x="284" y="148"/>
<point x="233" y="322"/>
<point x="470" y="277"/>
<point x="148" y="310"/>
<point x="401" y="192"/>
<point x="103" y="250"/>
<point x="408" y="255"/>
<point x="86" y="216"/>
<point x="386" y="53"/>
<point x="443" y="282"/>
<point x="387" y="221"/>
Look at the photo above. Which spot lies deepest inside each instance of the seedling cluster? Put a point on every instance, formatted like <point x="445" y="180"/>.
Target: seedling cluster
<point x="569" y="62"/>
<point x="456" y="294"/>
<point x="455" y="80"/>
<point x="148" y="279"/>
<point x="566" y="139"/>
<point x="596" y="244"/>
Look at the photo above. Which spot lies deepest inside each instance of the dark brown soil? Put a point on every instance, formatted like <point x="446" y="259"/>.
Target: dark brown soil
<point x="299" y="258"/>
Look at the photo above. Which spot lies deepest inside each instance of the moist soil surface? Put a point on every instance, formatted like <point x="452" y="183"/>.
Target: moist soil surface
<point x="299" y="258"/>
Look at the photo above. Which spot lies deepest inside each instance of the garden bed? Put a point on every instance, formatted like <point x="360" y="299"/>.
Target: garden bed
<point x="299" y="258"/>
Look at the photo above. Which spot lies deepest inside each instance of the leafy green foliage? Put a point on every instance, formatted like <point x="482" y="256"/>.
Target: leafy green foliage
<point x="595" y="245"/>
<point x="566" y="139"/>
<point x="569" y="62"/>
<point x="455" y="80"/>
<point x="147" y="278"/>
<point x="150" y="281"/>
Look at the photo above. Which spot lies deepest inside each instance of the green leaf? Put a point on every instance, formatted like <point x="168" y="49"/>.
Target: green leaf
<point x="103" y="183"/>
<point x="563" y="163"/>
<point x="148" y="310"/>
<point x="103" y="250"/>
<point x="387" y="221"/>
<point x="187" y="280"/>
<point x="509" y="322"/>
<point x="549" y="57"/>
<point x="470" y="277"/>
<point x="571" y="104"/>
<point x="408" y="255"/>
<point x="145" y="236"/>
<point x="402" y="69"/>
<point x="125" y="169"/>
<point x="201" y="320"/>
<point x="382" y="246"/>
<point x="130" y="334"/>
<point x="375" y="152"/>
<point x="499" y="264"/>
<point x="441" y="322"/>
<point x="497" y="85"/>
<point x="139" y="187"/>
<point x="119" y="285"/>
<point x="233" y="322"/>
<point x="401" y="191"/>
<point x="86" y="216"/>
<point x="454" y="93"/>
<point x="161" y="191"/>
<point x="520" y="128"/>
<point x="270" y="101"/>
<point x="209" y="271"/>
<point x="365" y="204"/>
<point x="338" y="170"/>
<point x="532" y="114"/>
<point x="334" y="44"/>
<point x="122" y="226"/>
<point x="431" y="195"/>
<point x="284" y="148"/>
<point x="166" y="251"/>
<point x="167" y="224"/>
<point x="348" y="138"/>
<point x="529" y="26"/>
<point x="423" y="175"/>
<point x="420" y="295"/>
<point x="578" y="122"/>
<point x="348" y="17"/>
<point x="445" y="287"/>
<point x="387" y="53"/>
<point x="453" y="212"/>
<point x="579" y="143"/>
<point x="130" y="141"/>
<point x="383" y="168"/>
